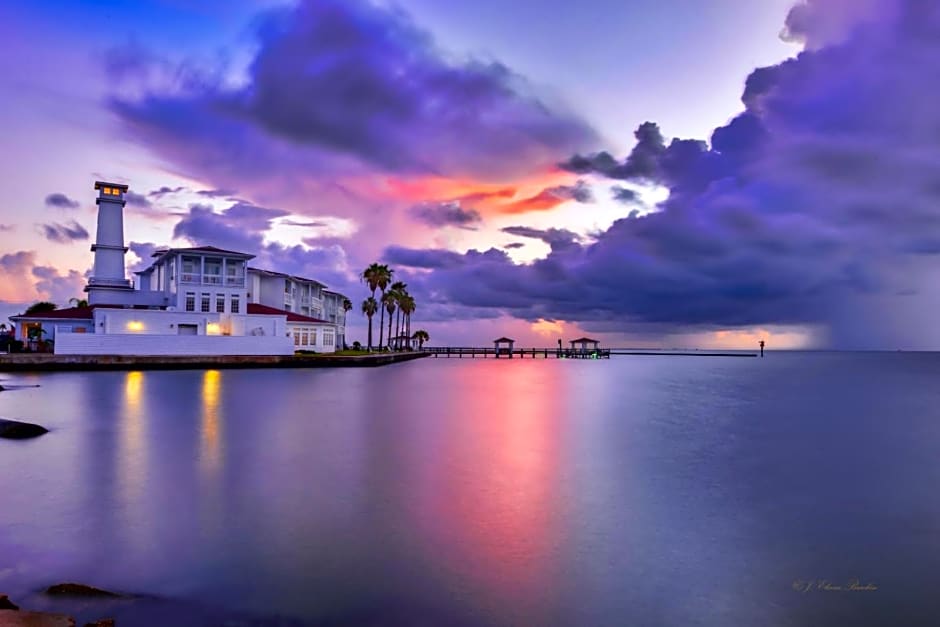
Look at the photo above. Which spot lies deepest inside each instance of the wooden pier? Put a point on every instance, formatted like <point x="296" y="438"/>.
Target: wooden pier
<point x="569" y="353"/>
<point x="533" y="353"/>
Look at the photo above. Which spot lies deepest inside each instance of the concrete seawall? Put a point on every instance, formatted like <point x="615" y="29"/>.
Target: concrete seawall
<point x="40" y="362"/>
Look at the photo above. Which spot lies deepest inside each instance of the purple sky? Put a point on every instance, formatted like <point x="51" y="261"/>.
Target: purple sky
<point x="652" y="172"/>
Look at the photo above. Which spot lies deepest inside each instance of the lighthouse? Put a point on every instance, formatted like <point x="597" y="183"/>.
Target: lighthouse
<point x="108" y="284"/>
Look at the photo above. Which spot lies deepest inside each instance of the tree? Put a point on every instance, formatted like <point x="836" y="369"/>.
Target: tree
<point x="389" y="299"/>
<point x="421" y="336"/>
<point x="407" y="306"/>
<point x="347" y="305"/>
<point x="369" y="306"/>
<point x="400" y="289"/>
<point x="78" y="302"/>
<point x="40" y="307"/>
<point x="383" y="278"/>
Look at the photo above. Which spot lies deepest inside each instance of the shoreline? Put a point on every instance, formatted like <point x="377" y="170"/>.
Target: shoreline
<point x="44" y="362"/>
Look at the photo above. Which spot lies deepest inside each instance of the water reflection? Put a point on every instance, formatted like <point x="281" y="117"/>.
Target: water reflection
<point x="210" y="450"/>
<point x="491" y="508"/>
<point x="132" y="456"/>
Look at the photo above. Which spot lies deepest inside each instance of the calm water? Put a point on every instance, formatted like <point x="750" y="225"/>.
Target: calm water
<point x="640" y="490"/>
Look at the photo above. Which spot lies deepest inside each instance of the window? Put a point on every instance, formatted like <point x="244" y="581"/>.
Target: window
<point x="235" y="303"/>
<point x="190" y="301"/>
<point x="204" y="303"/>
<point x="313" y="337"/>
<point x="296" y="337"/>
<point x="304" y="337"/>
<point x="220" y="303"/>
<point x="327" y="337"/>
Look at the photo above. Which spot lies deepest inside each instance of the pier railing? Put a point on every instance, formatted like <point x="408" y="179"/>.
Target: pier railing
<point x="532" y="353"/>
<point x="574" y="353"/>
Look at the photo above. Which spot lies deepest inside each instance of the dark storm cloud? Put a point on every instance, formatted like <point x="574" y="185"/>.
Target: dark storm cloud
<point x="339" y="80"/>
<point x="64" y="233"/>
<point x="445" y="214"/>
<point x="61" y="201"/>
<point x="815" y="205"/>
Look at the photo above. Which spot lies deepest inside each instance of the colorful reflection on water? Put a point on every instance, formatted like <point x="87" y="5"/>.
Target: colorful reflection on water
<point x="470" y="492"/>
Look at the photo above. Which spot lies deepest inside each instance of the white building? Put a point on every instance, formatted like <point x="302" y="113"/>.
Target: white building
<point x="189" y="301"/>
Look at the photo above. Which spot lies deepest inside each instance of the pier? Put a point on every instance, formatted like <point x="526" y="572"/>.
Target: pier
<point x="572" y="353"/>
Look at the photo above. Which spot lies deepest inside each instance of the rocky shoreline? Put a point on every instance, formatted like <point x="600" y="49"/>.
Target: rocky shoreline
<point x="11" y="615"/>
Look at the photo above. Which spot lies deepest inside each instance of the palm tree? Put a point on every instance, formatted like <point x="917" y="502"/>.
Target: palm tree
<point x="421" y="336"/>
<point x="389" y="299"/>
<point x="407" y="305"/>
<point x="368" y="308"/>
<point x="383" y="278"/>
<point x="371" y="276"/>
<point x="347" y="305"/>
<point x="78" y="302"/>
<point x="400" y="289"/>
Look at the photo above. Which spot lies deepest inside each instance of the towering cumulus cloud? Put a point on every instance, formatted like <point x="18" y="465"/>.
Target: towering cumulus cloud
<point x="818" y="202"/>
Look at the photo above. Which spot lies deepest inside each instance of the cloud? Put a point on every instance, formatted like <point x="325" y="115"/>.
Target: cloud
<point x="165" y="190"/>
<point x="57" y="287"/>
<point x="558" y="239"/>
<point x="513" y="245"/>
<point x="61" y="201"/>
<point x="551" y="197"/>
<point x="353" y="85"/>
<point x="216" y="193"/>
<point x="817" y="206"/>
<point x="64" y="233"/>
<point x="446" y="214"/>
<point x="22" y="280"/>
<point x="243" y="227"/>
<point x="422" y="258"/>
<point x="623" y="194"/>
<point x="137" y="200"/>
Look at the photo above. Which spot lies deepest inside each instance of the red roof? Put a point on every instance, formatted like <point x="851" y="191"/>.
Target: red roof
<point x="72" y="313"/>
<point x="292" y="316"/>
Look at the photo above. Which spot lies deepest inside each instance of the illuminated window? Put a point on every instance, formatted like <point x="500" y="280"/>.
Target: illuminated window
<point x="204" y="303"/>
<point x="190" y="301"/>
<point x="235" y="303"/>
<point x="304" y="338"/>
<point x="220" y="303"/>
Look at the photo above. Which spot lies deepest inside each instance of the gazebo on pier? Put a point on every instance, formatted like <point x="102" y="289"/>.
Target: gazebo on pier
<point x="584" y="341"/>
<point x="503" y="346"/>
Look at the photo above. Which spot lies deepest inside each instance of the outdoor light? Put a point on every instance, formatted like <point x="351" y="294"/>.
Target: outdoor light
<point x="135" y="325"/>
<point x="212" y="328"/>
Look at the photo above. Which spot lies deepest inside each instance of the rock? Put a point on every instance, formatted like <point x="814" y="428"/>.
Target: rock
<point x="104" y="622"/>
<point x="14" y="430"/>
<point x="6" y="603"/>
<point x="78" y="590"/>
<point x="12" y="618"/>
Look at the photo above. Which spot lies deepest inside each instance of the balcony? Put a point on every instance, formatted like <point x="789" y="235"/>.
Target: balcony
<point x="212" y="279"/>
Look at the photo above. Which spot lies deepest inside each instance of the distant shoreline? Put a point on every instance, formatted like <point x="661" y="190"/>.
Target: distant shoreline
<point x="43" y="362"/>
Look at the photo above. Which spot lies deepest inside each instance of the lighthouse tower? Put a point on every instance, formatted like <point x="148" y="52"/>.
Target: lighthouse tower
<point x="107" y="284"/>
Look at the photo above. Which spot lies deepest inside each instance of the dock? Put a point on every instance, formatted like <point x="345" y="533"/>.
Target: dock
<point x="569" y="353"/>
